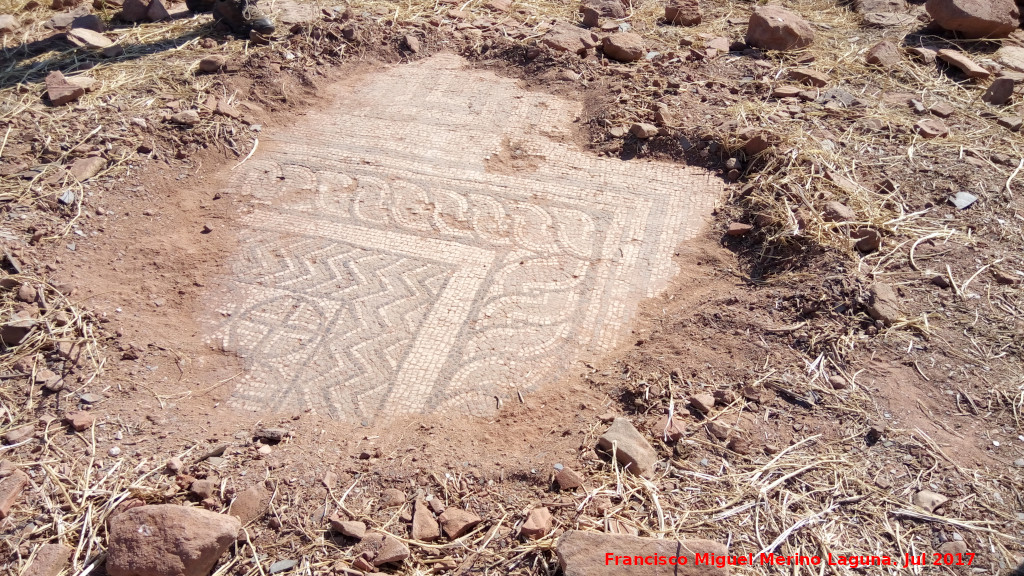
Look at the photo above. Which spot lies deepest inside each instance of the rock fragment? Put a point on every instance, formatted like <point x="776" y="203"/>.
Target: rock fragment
<point x="80" y="421"/>
<point x="456" y="522"/>
<point x="379" y="549"/>
<point x="928" y="500"/>
<point x="961" y="61"/>
<point x="630" y="448"/>
<point x="60" y="91"/>
<point x="85" y="168"/>
<point x="350" y="528"/>
<point x="251" y="504"/>
<point x="50" y="560"/>
<point x="168" y="540"/>
<point x="568" y="479"/>
<point x="670" y="429"/>
<point x="931" y="128"/>
<point x="702" y="402"/>
<point x="775" y="28"/>
<point x="838" y="212"/>
<point x="885" y="54"/>
<point x="87" y="38"/>
<point x="624" y="47"/>
<point x="10" y="490"/>
<point x="683" y="12"/>
<point x="1000" y="91"/>
<point x="975" y="18"/>
<point x="424" y="527"/>
<point x="643" y="131"/>
<point x="537" y="524"/>
<point x="883" y="303"/>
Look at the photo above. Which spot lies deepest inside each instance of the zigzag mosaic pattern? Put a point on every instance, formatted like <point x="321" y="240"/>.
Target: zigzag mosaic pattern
<point x="390" y="266"/>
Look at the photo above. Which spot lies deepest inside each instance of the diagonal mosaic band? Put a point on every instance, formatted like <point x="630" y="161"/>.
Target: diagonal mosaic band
<point x="435" y="242"/>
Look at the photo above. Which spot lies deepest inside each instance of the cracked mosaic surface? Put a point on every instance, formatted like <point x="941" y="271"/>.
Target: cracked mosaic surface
<point x="434" y="242"/>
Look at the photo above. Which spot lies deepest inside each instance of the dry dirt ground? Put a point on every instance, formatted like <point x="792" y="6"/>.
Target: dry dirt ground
<point x="831" y="415"/>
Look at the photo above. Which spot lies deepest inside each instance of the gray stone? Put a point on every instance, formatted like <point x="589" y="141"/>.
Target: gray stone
<point x="962" y="200"/>
<point x="1000" y="91"/>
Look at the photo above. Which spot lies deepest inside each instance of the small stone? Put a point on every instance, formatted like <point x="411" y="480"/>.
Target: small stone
<point x="962" y="200"/>
<point x="10" y="490"/>
<point x="186" y="118"/>
<point x="885" y="54"/>
<point x="19" y="434"/>
<point x="350" y="528"/>
<point x="80" y="421"/>
<point x="457" y="522"/>
<point x="867" y="239"/>
<point x="88" y="38"/>
<point x="26" y="292"/>
<point x="999" y="92"/>
<point x="567" y="479"/>
<point x="738" y="229"/>
<point x="669" y="430"/>
<point x="955" y="547"/>
<point x="774" y="28"/>
<point x="838" y="382"/>
<point x="630" y="448"/>
<point x="60" y="91"/>
<point x="381" y="549"/>
<point x="250" y="504"/>
<point x="786" y="91"/>
<point x="838" y="212"/>
<point x="174" y="465"/>
<point x="272" y="435"/>
<point x="282" y="565"/>
<point x="883" y="303"/>
<point x="683" y="12"/>
<point x="264" y="450"/>
<point x="931" y="128"/>
<point x="168" y="540"/>
<point x="1011" y="123"/>
<point x="50" y="560"/>
<point x="643" y="131"/>
<point x="718" y="430"/>
<point x="213" y="63"/>
<point x="961" y="61"/>
<point x="392" y="497"/>
<point x="85" y="168"/>
<point x="538" y="523"/>
<point x="702" y="402"/>
<point x="114" y="452"/>
<point x="412" y="43"/>
<point x="928" y="500"/>
<point x="926" y="55"/>
<point x="809" y="76"/>
<point x="942" y="109"/>
<point x="91" y="398"/>
<point x="424" y="527"/>
<point x="204" y="489"/>
<point x="624" y="47"/>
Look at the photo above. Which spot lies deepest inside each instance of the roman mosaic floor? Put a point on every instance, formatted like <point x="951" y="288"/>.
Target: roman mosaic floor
<point x="435" y="242"/>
